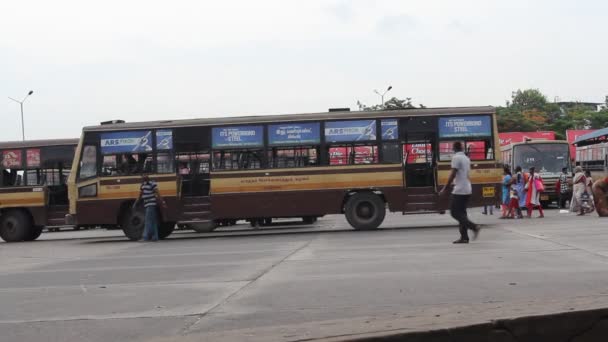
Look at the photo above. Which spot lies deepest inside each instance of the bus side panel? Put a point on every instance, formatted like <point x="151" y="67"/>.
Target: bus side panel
<point x="26" y="198"/>
<point x="283" y="193"/>
<point x="277" y="204"/>
<point x="485" y="179"/>
<point x="114" y="193"/>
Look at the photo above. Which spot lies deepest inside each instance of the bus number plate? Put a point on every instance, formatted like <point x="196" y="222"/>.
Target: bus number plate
<point x="488" y="191"/>
<point x="544" y="197"/>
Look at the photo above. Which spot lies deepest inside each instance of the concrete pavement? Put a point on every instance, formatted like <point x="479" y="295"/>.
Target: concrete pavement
<point x="293" y="282"/>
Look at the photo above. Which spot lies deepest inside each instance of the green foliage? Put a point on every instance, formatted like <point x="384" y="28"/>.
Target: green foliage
<point x="528" y="99"/>
<point x="392" y="104"/>
<point x="529" y="111"/>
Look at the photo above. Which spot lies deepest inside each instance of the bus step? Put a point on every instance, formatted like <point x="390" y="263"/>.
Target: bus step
<point x="56" y="221"/>
<point x="420" y="212"/>
<point x="194" y="221"/>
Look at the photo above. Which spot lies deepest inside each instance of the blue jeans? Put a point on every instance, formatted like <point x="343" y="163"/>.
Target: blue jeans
<point x="151" y="224"/>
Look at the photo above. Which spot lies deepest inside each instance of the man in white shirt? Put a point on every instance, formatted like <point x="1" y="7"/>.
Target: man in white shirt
<point x="459" y="176"/>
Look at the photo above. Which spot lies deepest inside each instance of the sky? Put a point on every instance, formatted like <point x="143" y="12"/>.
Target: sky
<point x="91" y="61"/>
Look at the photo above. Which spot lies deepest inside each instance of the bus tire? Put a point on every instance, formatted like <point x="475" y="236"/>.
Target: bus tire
<point x="203" y="227"/>
<point x="35" y="232"/>
<point x="132" y="224"/>
<point x="365" y="211"/>
<point x="15" y="226"/>
<point x="165" y="229"/>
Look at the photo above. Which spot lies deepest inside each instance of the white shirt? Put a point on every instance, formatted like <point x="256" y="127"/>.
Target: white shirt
<point x="462" y="184"/>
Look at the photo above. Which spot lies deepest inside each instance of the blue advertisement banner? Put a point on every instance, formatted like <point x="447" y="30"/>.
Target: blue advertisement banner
<point x="238" y="136"/>
<point x="359" y="130"/>
<point x="294" y="134"/>
<point x="389" y="129"/>
<point x="126" y="142"/>
<point x="164" y="139"/>
<point x="465" y="126"/>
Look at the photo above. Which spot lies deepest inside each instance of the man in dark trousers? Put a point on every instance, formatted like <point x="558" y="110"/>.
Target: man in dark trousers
<point x="459" y="176"/>
<point x="151" y="197"/>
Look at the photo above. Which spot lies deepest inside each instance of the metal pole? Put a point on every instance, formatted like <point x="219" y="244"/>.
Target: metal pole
<point x="22" y="123"/>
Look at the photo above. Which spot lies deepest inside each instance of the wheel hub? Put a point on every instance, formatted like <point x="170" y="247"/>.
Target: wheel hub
<point x="365" y="210"/>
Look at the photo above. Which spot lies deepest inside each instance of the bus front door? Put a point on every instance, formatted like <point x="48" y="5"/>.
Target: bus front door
<point x="419" y="175"/>
<point x="419" y="166"/>
<point x="193" y="171"/>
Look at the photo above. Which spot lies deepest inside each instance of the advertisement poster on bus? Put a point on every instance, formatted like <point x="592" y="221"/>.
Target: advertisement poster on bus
<point x="237" y="136"/>
<point x="295" y="134"/>
<point x="11" y="159"/>
<point x="389" y="129"/>
<point x="507" y="138"/>
<point x="126" y="142"/>
<point x="465" y="126"/>
<point x="417" y="153"/>
<point x="572" y="135"/>
<point x="359" y="130"/>
<point x="164" y="139"/>
<point x="33" y="158"/>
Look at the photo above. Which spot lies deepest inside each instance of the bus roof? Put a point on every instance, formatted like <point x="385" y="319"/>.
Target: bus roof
<point x="37" y="143"/>
<point x="345" y="115"/>
<point x="530" y="142"/>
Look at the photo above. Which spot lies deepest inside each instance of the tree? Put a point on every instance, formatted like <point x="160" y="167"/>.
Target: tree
<point x="392" y="104"/>
<point x="528" y="99"/>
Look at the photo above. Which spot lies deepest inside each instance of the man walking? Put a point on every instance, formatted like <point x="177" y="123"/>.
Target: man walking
<point x="148" y="192"/>
<point x="459" y="176"/>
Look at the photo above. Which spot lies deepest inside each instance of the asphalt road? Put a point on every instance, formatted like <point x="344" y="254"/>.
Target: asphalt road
<point x="296" y="282"/>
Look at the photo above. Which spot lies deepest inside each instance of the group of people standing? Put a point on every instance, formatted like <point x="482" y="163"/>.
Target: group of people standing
<point x="521" y="191"/>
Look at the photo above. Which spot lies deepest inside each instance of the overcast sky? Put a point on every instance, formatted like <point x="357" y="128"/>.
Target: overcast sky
<point x="89" y="61"/>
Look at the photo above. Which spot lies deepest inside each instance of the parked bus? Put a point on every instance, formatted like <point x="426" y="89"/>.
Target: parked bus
<point x="219" y="170"/>
<point x="548" y="157"/>
<point x="592" y="152"/>
<point x="33" y="186"/>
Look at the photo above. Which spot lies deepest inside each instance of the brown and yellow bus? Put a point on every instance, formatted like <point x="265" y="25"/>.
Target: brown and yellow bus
<point x="214" y="171"/>
<point x="33" y="186"/>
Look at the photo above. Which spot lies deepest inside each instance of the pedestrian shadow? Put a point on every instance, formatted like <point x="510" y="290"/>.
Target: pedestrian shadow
<point x="273" y="232"/>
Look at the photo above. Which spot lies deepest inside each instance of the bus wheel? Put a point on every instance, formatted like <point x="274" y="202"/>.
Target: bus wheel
<point x="15" y="226"/>
<point x="132" y="224"/>
<point x="35" y="232"/>
<point x="365" y="211"/>
<point x="165" y="229"/>
<point x="203" y="227"/>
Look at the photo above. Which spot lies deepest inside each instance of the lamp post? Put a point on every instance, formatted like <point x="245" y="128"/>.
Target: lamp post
<point x="21" y="105"/>
<point x="382" y="95"/>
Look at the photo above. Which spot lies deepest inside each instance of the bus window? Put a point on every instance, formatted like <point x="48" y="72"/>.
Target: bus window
<point x="391" y="153"/>
<point x="165" y="163"/>
<point x="88" y="165"/>
<point x="287" y="157"/>
<point x="237" y="160"/>
<point x="353" y="155"/>
<point x="126" y="164"/>
<point x="446" y="151"/>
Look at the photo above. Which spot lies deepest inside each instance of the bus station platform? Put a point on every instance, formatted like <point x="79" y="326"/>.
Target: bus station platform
<point x="292" y="282"/>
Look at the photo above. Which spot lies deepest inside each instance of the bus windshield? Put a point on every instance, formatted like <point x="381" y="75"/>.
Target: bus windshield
<point x="545" y="158"/>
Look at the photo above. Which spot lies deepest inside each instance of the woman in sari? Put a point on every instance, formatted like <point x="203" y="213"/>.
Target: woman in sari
<point x="579" y="186"/>
<point x="506" y="187"/>
<point x="520" y="187"/>
<point x="533" y="195"/>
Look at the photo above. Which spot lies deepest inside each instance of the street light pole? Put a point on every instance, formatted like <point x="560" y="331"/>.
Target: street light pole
<point x="384" y="93"/>
<point x="21" y="106"/>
